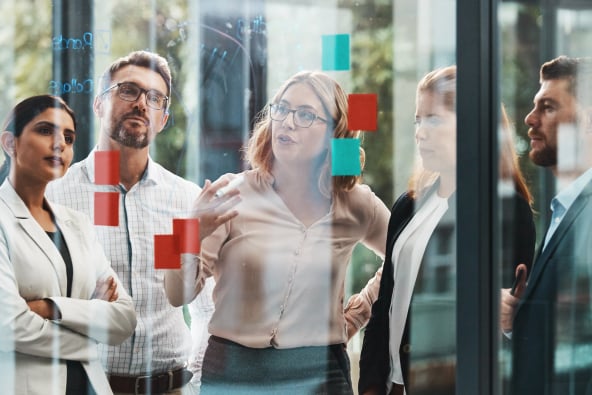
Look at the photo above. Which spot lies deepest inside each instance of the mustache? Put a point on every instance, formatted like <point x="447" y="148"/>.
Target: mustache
<point x="533" y="133"/>
<point x="135" y="113"/>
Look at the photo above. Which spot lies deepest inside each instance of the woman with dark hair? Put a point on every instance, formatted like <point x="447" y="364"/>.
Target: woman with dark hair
<point x="279" y="325"/>
<point x="59" y="295"/>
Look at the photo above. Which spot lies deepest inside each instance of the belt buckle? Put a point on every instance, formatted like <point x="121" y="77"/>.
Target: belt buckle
<point x="137" y="384"/>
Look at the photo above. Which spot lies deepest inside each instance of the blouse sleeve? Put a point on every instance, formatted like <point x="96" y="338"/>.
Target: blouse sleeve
<point x="183" y="285"/>
<point x="359" y="306"/>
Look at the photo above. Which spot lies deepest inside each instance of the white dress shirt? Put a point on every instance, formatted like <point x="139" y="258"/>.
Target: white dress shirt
<point x="162" y="340"/>
<point x="407" y="255"/>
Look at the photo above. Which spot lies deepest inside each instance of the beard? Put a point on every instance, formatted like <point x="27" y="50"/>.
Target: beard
<point x="545" y="157"/>
<point x="129" y="137"/>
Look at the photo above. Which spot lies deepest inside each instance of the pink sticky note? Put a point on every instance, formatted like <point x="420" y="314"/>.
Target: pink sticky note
<point x="166" y="252"/>
<point x="106" y="210"/>
<point x="362" y="113"/>
<point x="107" y="167"/>
<point x="187" y="232"/>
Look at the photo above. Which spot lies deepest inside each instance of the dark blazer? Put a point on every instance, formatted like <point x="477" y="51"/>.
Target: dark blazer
<point x="375" y="358"/>
<point x="553" y="322"/>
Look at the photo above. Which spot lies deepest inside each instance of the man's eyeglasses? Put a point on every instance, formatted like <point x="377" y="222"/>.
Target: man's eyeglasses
<point x="303" y="118"/>
<point x="129" y="91"/>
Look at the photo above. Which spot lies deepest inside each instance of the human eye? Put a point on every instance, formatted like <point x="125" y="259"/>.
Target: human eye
<point x="433" y="120"/>
<point x="128" y="89"/>
<point x="281" y="109"/>
<point x="69" y="138"/>
<point x="548" y="108"/>
<point x="306" y="115"/>
<point x="155" y="98"/>
<point x="45" y="130"/>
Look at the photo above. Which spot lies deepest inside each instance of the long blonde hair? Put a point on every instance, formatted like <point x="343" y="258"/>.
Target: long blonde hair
<point x="259" y="153"/>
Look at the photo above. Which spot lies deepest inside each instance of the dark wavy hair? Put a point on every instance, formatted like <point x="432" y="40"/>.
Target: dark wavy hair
<point x="23" y="113"/>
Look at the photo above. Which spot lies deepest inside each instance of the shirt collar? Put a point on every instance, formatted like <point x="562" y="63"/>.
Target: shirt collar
<point x="152" y="175"/>
<point x="568" y="195"/>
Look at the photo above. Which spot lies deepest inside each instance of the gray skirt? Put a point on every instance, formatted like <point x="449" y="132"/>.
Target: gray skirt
<point x="230" y="368"/>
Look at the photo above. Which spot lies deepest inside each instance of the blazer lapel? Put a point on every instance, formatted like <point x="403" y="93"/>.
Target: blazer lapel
<point x="71" y="231"/>
<point x="562" y="230"/>
<point x="34" y="231"/>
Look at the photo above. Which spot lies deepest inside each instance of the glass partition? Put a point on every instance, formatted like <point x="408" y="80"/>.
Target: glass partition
<point x="228" y="60"/>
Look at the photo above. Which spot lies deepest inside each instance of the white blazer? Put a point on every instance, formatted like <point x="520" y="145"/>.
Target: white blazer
<point x="33" y="350"/>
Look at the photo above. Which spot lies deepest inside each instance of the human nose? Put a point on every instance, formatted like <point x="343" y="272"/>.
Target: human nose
<point x="420" y="132"/>
<point x="531" y="119"/>
<point x="59" y="141"/>
<point x="142" y="104"/>
<point x="289" y="121"/>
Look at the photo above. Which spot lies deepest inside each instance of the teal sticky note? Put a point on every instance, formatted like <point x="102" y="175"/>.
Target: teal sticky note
<point x="345" y="157"/>
<point x="336" y="52"/>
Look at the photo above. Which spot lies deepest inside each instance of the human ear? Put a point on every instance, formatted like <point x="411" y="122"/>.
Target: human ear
<point x="99" y="106"/>
<point x="165" y="118"/>
<point x="7" y="140"/>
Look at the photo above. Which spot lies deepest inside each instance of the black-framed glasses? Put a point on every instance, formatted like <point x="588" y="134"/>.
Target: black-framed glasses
<point x="303" y="117"/>
<point x="129" y="91"/>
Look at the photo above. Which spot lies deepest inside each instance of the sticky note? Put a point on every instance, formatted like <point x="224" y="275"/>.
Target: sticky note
<point x="106" y="208"/>
<point x="106" y="167"/>
<point x="335" y="52"/>
<point x="166" y="252"/>
<point x="362" y="111"/>
<point x="187" y="233"/>
<point x="345" y="157"/>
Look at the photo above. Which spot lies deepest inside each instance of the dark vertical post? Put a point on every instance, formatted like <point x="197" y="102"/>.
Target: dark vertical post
<point x="73" y="65"/>
<point x="477" y="109"/>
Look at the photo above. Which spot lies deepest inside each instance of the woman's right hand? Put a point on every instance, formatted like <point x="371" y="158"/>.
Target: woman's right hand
<point x="106" y="290"/>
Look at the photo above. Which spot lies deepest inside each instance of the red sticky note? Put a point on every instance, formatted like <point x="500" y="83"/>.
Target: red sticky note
<point x="362" y="112"/>
<point x="166" y="252"/>
<point x="106" y="210"/>
<point x="187" y="232"/>
<point x="107" y="167"/>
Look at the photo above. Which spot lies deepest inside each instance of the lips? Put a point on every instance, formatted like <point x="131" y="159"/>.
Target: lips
<point x="285" y="139"/>
<point x="54" y="160"/>
<point x="138" y="119"/>
<point x="534" y="137"/>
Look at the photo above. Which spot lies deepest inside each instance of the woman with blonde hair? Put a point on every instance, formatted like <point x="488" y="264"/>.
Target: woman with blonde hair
<point x="279" y="324"/>
<point x="419" y="272"/>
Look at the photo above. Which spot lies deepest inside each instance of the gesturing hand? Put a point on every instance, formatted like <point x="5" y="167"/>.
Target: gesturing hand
<point x="211" y="210"/>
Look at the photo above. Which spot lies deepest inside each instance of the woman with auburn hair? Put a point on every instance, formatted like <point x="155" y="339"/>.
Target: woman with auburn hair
<point x="419" y="271"/>
<point x="279" y="324"/>
<point x="59" y="295"/>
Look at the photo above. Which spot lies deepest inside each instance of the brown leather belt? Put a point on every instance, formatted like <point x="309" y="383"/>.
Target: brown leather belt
<point x="152" y="384"/>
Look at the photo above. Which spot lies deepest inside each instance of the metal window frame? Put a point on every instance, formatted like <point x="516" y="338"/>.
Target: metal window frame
<point x="477" y="113"/>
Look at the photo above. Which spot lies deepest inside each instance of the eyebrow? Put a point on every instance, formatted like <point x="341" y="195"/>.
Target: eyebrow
<point x="52" y="125"/>
<point x="304" y="106"/>
<point x="141" y="87"/>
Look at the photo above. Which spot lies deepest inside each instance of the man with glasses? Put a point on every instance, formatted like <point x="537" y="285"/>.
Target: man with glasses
<point x="551" y="329"/>
<point x="133" y="108"/>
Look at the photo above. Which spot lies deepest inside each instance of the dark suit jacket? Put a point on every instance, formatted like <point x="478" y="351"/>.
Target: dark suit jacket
<point x="552" y="330"/>
<point x="375" y="358"/>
